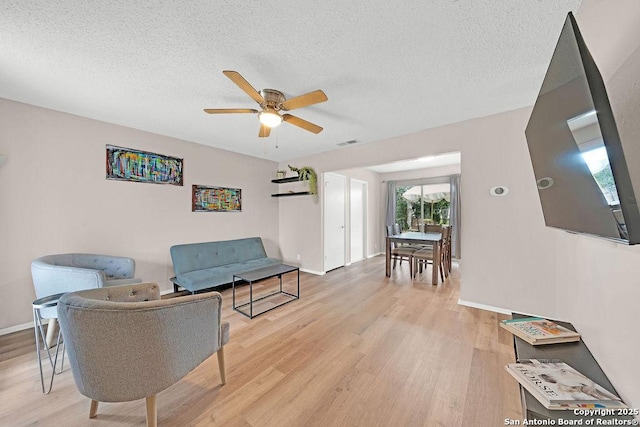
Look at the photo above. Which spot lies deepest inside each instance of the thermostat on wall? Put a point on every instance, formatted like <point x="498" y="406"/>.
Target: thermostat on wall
<point x="499" y="190"/>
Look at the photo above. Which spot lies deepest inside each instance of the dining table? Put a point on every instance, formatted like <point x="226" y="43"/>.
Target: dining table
<point x="433" y="239"/>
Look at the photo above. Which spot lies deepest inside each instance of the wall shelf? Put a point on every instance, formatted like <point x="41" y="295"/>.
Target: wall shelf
<point x="289" y="193"/>
<point x="292" y="193"/>
<point x="283" y="180"/>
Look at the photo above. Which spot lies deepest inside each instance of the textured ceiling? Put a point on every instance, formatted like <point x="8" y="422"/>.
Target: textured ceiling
<point x="388" y="68"/>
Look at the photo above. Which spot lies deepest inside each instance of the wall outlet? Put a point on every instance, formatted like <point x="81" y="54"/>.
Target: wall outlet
<point x="298" y="257"/>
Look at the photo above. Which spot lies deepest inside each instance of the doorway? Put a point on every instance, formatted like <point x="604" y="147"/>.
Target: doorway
<point x="358" y="193"/>
<point x="334" y="220"/>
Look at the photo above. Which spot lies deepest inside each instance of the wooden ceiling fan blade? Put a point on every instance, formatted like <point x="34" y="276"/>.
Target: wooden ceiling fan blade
<point x="301" y="123"/>
<point x="244" y="85"/>
<point x="264" y="131"/>
<point x="307" y="99"/>
<point x="229" y="110"/>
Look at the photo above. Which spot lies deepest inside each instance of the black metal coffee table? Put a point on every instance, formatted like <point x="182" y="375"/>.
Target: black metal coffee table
<point x="253" y="276"/>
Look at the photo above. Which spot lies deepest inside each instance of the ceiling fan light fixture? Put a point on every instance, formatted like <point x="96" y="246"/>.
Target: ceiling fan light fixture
<point x="270" y="117"/>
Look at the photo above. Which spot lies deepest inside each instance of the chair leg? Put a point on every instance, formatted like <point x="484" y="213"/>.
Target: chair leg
<point x="444" y="266"/>
<point x="152" y="411"/>
<point x="223" y="378"/>
<point x="93" y="410"/>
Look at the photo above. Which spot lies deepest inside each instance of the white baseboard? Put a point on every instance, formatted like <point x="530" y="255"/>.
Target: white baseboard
<point x="317" y="273"/>
<point x="375" y="255"/>
<point x="16" y="328"/>
<point x="484" y="307"/>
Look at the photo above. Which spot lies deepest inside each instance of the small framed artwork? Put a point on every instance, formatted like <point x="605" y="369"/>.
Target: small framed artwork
<point x="126" y="164"/>
<point x="215" y="199"/>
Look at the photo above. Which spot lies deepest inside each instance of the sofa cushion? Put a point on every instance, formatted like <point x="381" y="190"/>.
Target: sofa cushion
<point x="216" y="276"/>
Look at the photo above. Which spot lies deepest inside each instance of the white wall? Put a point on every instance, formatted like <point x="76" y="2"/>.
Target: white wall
<point x="422" y="173"/>
<point x="55" y="199"/>
<point x="300" y="230"/>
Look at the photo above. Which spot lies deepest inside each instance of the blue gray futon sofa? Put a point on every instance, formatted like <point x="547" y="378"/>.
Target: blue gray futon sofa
<point x="199" y="266"/>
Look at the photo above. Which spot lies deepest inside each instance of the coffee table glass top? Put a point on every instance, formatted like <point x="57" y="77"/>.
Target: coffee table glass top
<point x="262" y="273"/>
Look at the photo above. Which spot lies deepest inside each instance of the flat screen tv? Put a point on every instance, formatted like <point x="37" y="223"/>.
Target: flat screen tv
<point x="578" y="159"/>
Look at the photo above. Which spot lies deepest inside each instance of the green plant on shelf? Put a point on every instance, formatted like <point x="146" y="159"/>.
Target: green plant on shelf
<point x="307" y="173"/>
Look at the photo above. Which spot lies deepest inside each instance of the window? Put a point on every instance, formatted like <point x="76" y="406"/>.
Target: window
<point x="417" y="205"/>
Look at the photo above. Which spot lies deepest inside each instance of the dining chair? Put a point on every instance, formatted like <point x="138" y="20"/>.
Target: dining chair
<point x="446" y="243"/>
<point x="433" y="228"/>
<point x="401" y="252"/>
<point x="398" y="230"/>
<point x="422" y="257"/>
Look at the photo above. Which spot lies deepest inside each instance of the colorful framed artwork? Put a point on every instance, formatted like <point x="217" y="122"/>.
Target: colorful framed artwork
<point x="126" y="164"/>
<point x="215" y="199"/>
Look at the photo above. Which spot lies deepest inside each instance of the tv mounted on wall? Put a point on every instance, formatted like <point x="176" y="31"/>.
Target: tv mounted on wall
<point x="579" y="162"/>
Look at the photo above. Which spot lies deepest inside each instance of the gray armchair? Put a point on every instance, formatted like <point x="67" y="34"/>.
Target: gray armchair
<point x="54" y="274"/>
<point x="125" y="343"/>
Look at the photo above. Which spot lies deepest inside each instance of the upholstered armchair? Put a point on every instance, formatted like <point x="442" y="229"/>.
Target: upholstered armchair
<point x="54" y="274"/>
<point x="125" y="343"/>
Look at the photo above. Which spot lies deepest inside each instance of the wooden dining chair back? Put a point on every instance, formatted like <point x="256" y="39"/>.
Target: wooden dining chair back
<point x="446" y="243"/>
<point x="390" y="230"/>
<point x="396" y="228"/>
<point x="433" y="228"/>
<point x="445" y="250"/>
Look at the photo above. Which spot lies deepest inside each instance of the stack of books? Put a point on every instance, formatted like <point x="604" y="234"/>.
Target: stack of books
<point x="557" y="385"/>
<point x="536" y="330"/>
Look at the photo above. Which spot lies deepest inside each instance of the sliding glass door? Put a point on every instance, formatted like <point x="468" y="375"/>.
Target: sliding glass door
<point x="417" y="205"/>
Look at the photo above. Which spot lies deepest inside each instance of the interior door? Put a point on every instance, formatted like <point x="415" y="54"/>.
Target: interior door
<point x="357" y="220"/>
<point x="334" y="220"/>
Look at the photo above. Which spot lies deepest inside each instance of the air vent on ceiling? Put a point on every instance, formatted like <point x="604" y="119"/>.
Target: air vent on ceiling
<point x="353" y="141"/>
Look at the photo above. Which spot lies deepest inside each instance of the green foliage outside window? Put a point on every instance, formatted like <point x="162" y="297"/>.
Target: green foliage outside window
<point x="440" y="214"/>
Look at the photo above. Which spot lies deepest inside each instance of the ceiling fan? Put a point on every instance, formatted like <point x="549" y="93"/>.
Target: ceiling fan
<point x="272" y="102"/>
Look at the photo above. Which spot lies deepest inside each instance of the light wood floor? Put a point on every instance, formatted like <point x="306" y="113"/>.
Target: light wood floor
<point x="358" y="349"/>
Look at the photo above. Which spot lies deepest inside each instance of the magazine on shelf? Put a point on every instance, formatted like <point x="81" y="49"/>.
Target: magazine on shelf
<point x="557" y="385"/>
<point x="536" y="330"/>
